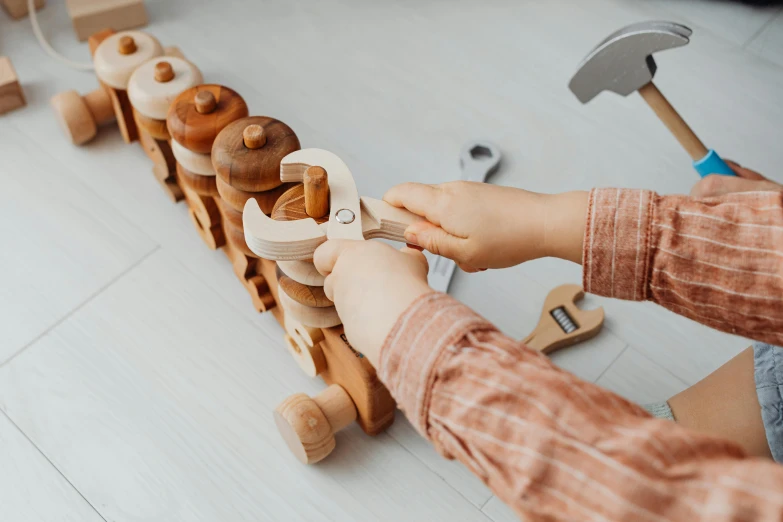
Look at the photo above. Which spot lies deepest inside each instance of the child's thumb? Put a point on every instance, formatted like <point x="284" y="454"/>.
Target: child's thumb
<point x="434" y="239"/>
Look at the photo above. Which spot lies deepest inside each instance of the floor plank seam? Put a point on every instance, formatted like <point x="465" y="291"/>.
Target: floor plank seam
<point x="438" y="474"/>
<point x="625" y="348"/>
<point x="759" y="33"/>
<point x="79" y="307"/>
<point x="40" y="452"/>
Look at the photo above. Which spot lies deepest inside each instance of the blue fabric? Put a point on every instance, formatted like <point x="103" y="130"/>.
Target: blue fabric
<point x="768" y="371"/>
<point x="712" y="164"/>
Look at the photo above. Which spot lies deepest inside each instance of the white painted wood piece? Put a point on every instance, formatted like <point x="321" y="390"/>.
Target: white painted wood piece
<point x="195" y="162"/>
<point x="297" y="240"/>
<point x="151" y="97"/>
<point x="114" y="68"/>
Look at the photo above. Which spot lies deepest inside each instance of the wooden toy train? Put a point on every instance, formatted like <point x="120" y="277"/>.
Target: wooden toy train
<point x="252" y="192"/>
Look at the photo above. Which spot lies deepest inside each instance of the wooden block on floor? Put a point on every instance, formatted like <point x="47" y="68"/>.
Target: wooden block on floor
<point x="11" y="95"/>
<point x="18" y="8"/>
<point x="91" y="16"/>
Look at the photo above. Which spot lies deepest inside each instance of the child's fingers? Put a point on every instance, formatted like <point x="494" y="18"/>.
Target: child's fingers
<point x="743" y="172"/>
<point x="715" y="185"/>
<point x="326" y="255"/>
<point x="416" y="197"/>
<point x="435" y="240"/>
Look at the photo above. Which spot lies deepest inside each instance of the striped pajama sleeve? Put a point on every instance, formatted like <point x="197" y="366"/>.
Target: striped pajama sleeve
<point x="552" y="446"/>
<point x="718" y="261"/>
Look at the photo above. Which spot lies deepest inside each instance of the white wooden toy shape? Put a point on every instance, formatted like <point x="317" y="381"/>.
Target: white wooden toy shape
<point x="350" y="217"/>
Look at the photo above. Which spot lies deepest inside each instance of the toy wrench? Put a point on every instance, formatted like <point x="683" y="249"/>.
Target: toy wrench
<point x="350" y="216"/>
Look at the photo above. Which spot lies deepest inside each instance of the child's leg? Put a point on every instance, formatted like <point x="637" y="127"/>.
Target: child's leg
<point x="729" y="402"/>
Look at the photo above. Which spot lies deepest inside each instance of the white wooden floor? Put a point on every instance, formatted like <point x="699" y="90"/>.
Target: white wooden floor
<point x="136" y="383"/>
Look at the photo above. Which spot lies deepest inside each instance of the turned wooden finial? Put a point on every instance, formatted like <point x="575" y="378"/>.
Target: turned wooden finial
<point x="316" y="192"/>
<point x="163" y="72"/>
<point x="254" y="136"/>
<point x="127" y="45"/>
<point x="308" y="424"/>
<point x="205" y="102"/>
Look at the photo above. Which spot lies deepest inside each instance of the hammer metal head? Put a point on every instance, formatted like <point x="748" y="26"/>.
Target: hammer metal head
<point x="623" y="62"/>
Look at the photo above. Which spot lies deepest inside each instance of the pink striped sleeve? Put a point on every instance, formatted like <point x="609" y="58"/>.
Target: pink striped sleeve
<point x="554" y="447"/>
<point x="718" y="261"/>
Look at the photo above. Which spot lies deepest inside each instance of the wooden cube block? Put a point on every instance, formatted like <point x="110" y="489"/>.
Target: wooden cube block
<point x="91" y="16"/>
<point x="11" y="95"/>
<point x="18" y="8"/>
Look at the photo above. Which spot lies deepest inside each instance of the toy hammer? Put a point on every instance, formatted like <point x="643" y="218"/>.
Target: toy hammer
<point x="623" y="63"/>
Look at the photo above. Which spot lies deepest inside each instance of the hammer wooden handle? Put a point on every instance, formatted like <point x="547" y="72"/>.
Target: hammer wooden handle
<point x="671" y="118"/>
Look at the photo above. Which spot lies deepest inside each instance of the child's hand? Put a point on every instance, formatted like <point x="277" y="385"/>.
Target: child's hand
<point x="487" y="226"/>
<point x="746" y="181"/>
<point x="371" y="285"/>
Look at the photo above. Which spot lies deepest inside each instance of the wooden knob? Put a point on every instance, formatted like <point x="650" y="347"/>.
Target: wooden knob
<point x="163" y="72"/>
<point x="205" y="102"/>
<point x="126" y="45"/>
<point x="254" y="136"/>
<point x="316" y="192"/>
<point x="308" y="425"/>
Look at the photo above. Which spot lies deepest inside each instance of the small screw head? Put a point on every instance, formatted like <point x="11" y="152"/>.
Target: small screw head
<point x="345" y="216"/>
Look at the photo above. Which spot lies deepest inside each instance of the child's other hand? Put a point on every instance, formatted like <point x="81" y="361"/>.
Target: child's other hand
<point x="746" y="181"/>
<point x="371" y="285"/>
<point x="487" y="226"/>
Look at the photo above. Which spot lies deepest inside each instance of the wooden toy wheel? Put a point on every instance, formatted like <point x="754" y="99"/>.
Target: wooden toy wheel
<point x="308" y="425"/>
<point x="80" y="116"/>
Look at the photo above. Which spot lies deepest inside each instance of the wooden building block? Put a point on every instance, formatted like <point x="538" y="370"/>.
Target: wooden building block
<point x="11" y="95"/>
<point x="91" y="16"/>
<point x="18" y="8"/>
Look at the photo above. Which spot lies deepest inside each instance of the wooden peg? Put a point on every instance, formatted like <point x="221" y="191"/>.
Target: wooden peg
<point x="163" y="72"/>
<point x="316" y="192"/>
<point x="127" y="45"/>
<point x="254" y="136"/>
<point x="205" y="102"/>
<point x="308" y="424"/>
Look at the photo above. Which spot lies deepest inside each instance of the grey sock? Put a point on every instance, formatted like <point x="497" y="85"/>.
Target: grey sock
<point x="660" y="410"/>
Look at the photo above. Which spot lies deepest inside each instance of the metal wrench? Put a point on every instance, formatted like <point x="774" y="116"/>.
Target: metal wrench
<point x="478" y="160"/>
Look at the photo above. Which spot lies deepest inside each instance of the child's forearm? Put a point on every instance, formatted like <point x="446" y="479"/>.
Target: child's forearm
<point x="549" y="443"/>
<point x="717" y="261"/>
<point x="564" y="227"/>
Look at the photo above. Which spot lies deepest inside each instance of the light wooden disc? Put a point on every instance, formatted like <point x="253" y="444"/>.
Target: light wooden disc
<point x="253" y="170"/>
<point x="303" y="272"/>
<point x="236" y="199"/>
<point x="115" y="68"/>
<point x="313" y="296"/>
<point x="308" y="315"/>
<point x="151" y="97"/>
<point x="197" y="130"/>
<point x="203" y="185"/>
<point x="193" y="161"/>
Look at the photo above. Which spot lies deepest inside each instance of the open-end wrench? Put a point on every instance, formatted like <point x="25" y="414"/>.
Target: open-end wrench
<point x="478" y="160"/>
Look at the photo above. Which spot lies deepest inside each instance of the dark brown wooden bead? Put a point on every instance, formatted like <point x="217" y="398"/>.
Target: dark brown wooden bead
<point x="196" y="130"/>
<point x="253" y="170"/>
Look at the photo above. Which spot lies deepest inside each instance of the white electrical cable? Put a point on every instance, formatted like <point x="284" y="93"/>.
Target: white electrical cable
<point x="48" y="48"/>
